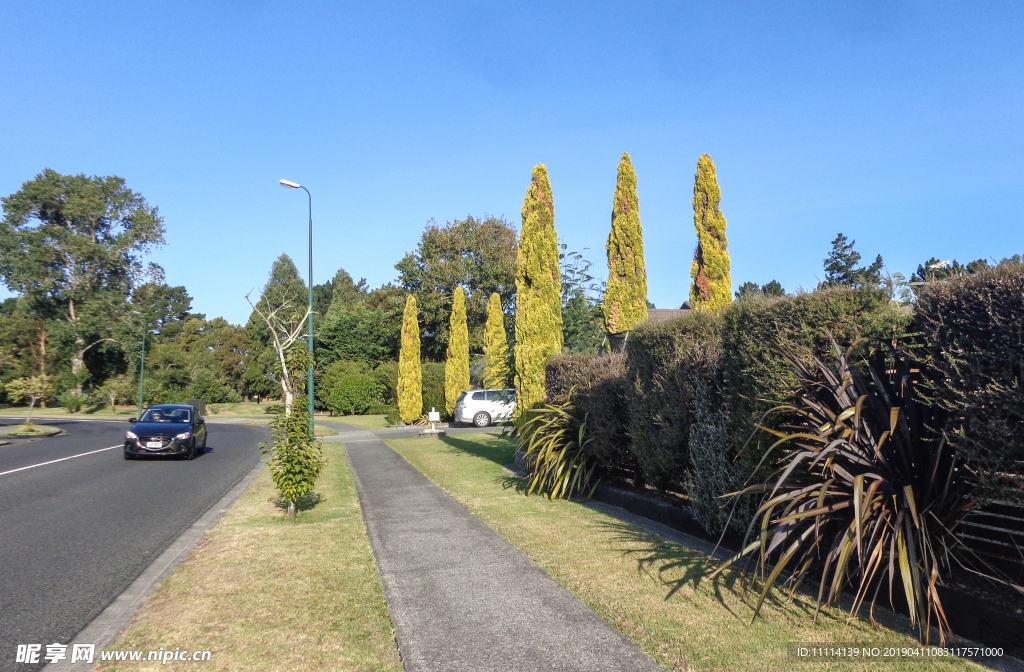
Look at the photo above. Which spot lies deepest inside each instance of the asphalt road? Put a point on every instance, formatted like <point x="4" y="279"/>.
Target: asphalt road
<point x="75" y="533"/>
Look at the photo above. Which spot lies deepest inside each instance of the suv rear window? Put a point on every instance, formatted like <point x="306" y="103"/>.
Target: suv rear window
<point x="461" y="397"/>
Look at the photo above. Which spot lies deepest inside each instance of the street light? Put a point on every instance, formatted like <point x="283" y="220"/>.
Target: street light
<point x="142" y="362"/>
<point x="309" y="382"/>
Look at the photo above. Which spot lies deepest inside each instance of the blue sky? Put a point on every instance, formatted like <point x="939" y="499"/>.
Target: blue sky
<point x="896" y="123"/>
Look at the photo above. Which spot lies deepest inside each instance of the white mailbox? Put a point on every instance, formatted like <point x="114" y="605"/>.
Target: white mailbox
<point x="433" y="416"/>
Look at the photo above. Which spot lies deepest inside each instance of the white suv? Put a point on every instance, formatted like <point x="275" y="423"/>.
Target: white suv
<point x="483" y="407"/>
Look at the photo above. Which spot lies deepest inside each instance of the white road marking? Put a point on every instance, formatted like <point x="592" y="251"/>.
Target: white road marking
<point x="43" y="464"/>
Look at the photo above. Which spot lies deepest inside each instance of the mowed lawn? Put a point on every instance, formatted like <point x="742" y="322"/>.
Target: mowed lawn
<point x="655" y="592"/>
<point x="264" y="593"/>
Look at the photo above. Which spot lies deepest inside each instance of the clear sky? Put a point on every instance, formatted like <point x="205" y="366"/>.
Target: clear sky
<point x="897" y="123"/>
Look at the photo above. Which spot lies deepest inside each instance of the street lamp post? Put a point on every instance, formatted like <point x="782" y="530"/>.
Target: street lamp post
<point x="142" y="361"/>
<point x="309" y="343"/>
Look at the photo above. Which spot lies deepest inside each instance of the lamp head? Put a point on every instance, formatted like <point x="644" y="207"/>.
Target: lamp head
<point x="290" y="184"/>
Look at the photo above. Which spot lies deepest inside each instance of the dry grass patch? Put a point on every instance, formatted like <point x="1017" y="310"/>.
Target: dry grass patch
<point x="655" y="592"/>
<point x="263" y="593"/>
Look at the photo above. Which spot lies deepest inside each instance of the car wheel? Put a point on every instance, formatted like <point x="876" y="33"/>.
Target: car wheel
<point x="481" y="419"/>
<point x="204" y="440"/>
<point x="191" y="454"/>
<point x="129" y="456"/>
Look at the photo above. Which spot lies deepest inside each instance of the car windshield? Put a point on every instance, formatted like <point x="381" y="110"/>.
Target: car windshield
<point x="167" y="415"/>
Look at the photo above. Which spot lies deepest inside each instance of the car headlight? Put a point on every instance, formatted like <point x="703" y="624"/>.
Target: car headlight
<point x="131" y="435"/>
<point x="183" y="436"/>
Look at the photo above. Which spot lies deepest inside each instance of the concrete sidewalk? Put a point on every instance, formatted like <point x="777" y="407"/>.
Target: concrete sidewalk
<point x="461" y="597"/>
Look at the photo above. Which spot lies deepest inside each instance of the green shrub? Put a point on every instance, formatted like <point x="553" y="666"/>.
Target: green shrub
<point x="379" y="409"/>
<point x="206" y="386"/>
<point x="71" y="400"/>
<point x="353" y="395"/>
<point x="666" y="363"/>
<point x="433" y="388"/>
<point x="386" y="375"/>
<point x="392" y="416"/>
<point x="597" y="386"/>
<point x="972" y="329"/>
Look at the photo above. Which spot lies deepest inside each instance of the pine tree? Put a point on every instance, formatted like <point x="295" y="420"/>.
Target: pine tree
<point x="410" y="386"/>
<point x="625" y="298"/>
<point x="712" y="284"/>
<point x="456" y="366"/>
<point x="495" y="346"/>
<point x="538" y="292"/>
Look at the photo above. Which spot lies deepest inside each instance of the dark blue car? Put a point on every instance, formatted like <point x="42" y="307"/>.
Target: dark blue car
<point x="167" y="429"/>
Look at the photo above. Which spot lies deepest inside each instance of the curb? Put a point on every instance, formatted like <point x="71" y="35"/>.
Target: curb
<point x="105" y="628"/>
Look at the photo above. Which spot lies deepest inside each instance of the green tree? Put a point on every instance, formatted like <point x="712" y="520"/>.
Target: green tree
<point x="32" y="388"/>
<point x="625" y="297"/>
<point x="750" y="289"/>
<point x="296" y="456"/>
<point x="356" y="333"/>
<point x="410" y="390"/>
<point x="538" y="291"/>
<point x="495" y="345"/>
<point x="712" y="284"/>
<point x="77" y="241"/>
<point x="456" y="364"/>
<point x="117" y="388"/>
<point x="478" y="255"/>
<point x="841" y="268"/>
<point x="583" y="322"/>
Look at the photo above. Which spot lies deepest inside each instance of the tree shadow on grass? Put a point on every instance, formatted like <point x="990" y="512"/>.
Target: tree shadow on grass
<point x="307" y="502"/>
<point x="499" y="452"/>
<point x="676" y="566"/>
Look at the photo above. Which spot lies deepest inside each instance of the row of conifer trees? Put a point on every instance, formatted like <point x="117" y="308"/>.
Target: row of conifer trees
<point x="538" y="319"/>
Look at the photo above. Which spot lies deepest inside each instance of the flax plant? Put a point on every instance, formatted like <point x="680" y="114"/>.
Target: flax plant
<point x="869" y="493"/>
<point x="554" y="438"/>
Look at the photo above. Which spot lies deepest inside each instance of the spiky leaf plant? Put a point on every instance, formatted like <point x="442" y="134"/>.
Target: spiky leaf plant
<point x="554" y="438"/>
<point x="868" y="493"/>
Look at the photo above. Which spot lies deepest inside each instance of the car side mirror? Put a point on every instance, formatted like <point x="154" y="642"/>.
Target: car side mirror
<point x="200" y="421"/>
<point x="133" y="420"/>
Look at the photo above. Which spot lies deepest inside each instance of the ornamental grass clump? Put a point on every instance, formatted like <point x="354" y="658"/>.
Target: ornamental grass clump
<point x="868" y="494"/>
<point x="554" y="438"/>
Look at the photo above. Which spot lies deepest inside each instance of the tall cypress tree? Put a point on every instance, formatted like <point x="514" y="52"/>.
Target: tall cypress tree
<point x="625" y="297"/>
<point x="538" y="291"/>
<point x="410" y="379"/>
<point x="495" y="345"/>
<point x="456" y="365"/>
<point x="712" y="284"/>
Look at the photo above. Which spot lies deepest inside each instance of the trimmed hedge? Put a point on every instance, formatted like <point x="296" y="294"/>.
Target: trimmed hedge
<point x="597" y="386"/>
<point x="665" y="363"/>
<point x="973" y="331"/>
<point x="756" y="377"/>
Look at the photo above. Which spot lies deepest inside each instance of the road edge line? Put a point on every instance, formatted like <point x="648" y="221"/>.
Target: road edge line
<point x="111" y="622"/>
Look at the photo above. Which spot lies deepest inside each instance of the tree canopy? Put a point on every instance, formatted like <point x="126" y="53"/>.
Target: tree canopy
<point x="476" y="254"/>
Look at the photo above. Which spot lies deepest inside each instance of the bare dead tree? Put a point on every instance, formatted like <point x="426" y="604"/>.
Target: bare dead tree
<point x="284" y="331"/>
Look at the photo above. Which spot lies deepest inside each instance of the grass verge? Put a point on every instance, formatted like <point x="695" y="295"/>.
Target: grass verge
<point x="652" y="590"/>
<point x="370" y="422"/>
<point x="263" y="593"/>
<point x="31" y="430"/>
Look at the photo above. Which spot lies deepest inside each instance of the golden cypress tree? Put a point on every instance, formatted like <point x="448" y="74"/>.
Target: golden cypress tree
<point x="538" y="291"/>
<point x="625" y="297"/>
<point x="456" y="365"/>
<point x="712" y="285"/>
<point x="495" y="345"/>
<point x="410" y="385"/>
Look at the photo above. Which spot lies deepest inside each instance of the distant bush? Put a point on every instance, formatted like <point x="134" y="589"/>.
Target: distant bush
<point x="973" y="331"/>
<point x="432" y="376"/>
<point x="353" y="395"/>
<point x="71" y="400"/>
<point x="386" y="375"/>
<point x="206" y="386"/>
<point x="392" y="416"/>
<point x="596" y="386"/>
